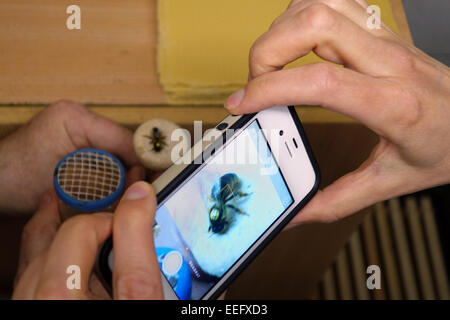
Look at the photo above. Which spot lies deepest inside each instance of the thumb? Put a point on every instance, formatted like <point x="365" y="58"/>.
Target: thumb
<point x="352" y="192"/>
<point x="136" y="271"/>
<point x="343" y="197"/>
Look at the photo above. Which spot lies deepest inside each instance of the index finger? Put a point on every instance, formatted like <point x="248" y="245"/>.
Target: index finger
<point x="330" y="34"/>
<point x="73" y="252"/>
<point x="39" y="231"/>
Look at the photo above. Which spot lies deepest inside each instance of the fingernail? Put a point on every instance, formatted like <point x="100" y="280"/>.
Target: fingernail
<point x="46" y="199"/>
<point x="137" y="191"/>
<point x="234" y="100"/>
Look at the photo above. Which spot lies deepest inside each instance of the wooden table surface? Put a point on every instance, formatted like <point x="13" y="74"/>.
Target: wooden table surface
<point x="110" y="60"/>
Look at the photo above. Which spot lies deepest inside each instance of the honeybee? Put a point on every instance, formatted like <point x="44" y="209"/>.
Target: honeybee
<point x="221" y="214"/>
<point x="157" y="139"/>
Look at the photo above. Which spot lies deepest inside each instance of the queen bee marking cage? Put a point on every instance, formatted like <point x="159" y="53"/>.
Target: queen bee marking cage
<point x="88" y="180"/>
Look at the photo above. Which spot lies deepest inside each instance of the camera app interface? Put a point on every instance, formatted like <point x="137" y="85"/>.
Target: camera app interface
<point x="204" y="227"/>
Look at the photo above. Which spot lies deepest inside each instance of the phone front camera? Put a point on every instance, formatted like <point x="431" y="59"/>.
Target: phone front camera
<point x="281" y="132"/>
<point x="222" y="126"/>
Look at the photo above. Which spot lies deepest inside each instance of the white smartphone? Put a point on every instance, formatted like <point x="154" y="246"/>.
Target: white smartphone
<point x="219" y="206"/>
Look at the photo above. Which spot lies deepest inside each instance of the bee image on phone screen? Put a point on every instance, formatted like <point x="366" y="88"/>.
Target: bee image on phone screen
<point x="216" y="216"/>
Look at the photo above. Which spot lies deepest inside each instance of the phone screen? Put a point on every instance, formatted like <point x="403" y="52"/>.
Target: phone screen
<point x="204" y="227"/>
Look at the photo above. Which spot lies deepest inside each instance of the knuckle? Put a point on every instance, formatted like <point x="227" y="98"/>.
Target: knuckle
<point x="80" y="222"/>
<point x="318" y="16"/>
<point x="63" y="108"/>
<point x="52" y="291"/>
<point x="137" y="285"/>
<point x="258" y="85"/>
<point x="257" y="56"/>
<point x="324" y="76"/>
<point x="30" y="230"/>
<point x="277" y="21"/>
<point x="257" y="90"/>
<point x="404" y="58"/>
<point x="34" y="230"/>
<point x="410" y="111"/>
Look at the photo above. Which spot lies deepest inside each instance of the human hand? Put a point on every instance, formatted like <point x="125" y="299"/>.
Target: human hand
<point x="387" y="84"/>
<point x="48" y="248"/>
<point x="29" y="156"/>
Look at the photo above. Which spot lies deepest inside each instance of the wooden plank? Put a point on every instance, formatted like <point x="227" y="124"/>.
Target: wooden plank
<point x="387" y="252"/>
<point x="343" y="275"/>
<point x="403" y="250"/>
<point x="371" y="251"/>
<point x="358" y="266"/>
<point x="110" y="60"/>
<point x="419" y="249"/>
<point x="133" y="115"/>
<point x="434" y="245"/>
<point x="329" y="285"/>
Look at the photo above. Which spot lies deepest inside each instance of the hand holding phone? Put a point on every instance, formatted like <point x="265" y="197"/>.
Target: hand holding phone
<point x="386" y="84"/>
<point x="217" y="210"/>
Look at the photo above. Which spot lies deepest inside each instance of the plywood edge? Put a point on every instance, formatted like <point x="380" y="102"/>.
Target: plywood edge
<point x="183" y="114"/>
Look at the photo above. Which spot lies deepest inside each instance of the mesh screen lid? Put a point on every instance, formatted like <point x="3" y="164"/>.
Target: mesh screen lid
<point x="89" y="179"/>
